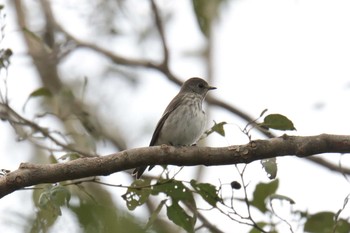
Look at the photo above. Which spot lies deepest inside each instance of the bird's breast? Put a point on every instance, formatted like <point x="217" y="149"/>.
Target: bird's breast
<point x="184" y="125"/>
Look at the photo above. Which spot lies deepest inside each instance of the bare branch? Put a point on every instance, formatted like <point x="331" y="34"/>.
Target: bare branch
<point x="32" y="174"/>
<point x="159" y="25"/>
<point x="329" y="165"/>
<point x="206" y="223"/>
<point x="118" y="59"/>
<point x="7" y="113"/>
<point x="37" y="51"/>
<point x="43" y="59"/>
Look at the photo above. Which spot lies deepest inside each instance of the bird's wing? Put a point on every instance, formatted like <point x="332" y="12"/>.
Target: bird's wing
<point x="171" y="107"/>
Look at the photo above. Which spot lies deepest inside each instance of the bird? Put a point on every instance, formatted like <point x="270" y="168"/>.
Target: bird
<point x="183" y="121"/>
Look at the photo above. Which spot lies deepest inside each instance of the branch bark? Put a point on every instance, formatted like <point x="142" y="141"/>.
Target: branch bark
<point x="31" y="174"/>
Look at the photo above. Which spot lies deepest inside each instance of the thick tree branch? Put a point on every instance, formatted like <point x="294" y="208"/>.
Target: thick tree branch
<point x="32" y="174"/>
<point x="161" y="67"/>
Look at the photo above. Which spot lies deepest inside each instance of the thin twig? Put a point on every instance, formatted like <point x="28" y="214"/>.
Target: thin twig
<point x="280" y="218"/>
<point x="241" y="174"/>
<point x="206" y="223"/>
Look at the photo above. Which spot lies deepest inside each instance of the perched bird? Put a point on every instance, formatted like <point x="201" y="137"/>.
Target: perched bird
<point x="183" y="121"/>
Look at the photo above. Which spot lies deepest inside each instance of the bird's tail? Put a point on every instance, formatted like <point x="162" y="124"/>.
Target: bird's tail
<point x="140" y="170"/>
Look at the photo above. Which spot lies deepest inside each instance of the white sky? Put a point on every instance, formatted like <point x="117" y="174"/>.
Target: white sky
<point x="287" y="56"/>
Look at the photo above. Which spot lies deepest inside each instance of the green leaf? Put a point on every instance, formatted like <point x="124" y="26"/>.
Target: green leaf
<point x="174" y="189"/>
<point x="342" y="226"/>
<point x="44" y="199"/>
<point x="70" y="155"/>
<point x="101" y="214"/>
<point x="207" y="191"/>
<point x="178" y="192"/>
<point x="262" y="192"/>
<point x="40" y="92"/>
<point x="270" y="167"/>
<point x="155" y="214"/>
<point x="277" y="121"/>
<point x="219" y="128"/>
<point x="52" y="159"/>
<point x="206" y="12"/>
<point x="323" y="222"/>
<point x="51" y="200"/>
<point x="178" y="215"/>
<point x="47" y="212"/>
<point x="60" y="195"/>
<point x="137" y="194"/>
<point x="282" y="198"/>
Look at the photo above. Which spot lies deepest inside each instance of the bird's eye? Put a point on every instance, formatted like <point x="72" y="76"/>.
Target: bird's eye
<point x="200" y="85"/>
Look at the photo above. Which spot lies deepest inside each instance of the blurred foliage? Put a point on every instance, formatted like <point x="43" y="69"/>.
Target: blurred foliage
<point x="5" y="55"/>
<point x="270" y="167"/>
<point x="206" y="12"/>
<point x="92" y="205"/>
<point x="324" y="222"/>
<point x="176" y="192"/>
<point x="262" y="192"/>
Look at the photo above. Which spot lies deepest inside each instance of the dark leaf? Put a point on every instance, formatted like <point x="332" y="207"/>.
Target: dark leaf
<point x="320" y="222"/>
<point x="178" y="192"/>
<point x="277" y="121"/>
<point x="60" y="195"/>
<point x="137" y="194"/>
<point x="262" y="192"/>
<point x="51" y="200"/>
<point x="282" y="198"/>
<point x="178" y="215"/>
<point x="174" y="189"/>
<point x="219" y="128"/>
<point x="207" y="191"/>
<point x="323" y="222"/>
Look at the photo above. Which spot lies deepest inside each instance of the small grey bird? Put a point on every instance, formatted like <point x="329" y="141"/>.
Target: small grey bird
<point x="183" y="121"/>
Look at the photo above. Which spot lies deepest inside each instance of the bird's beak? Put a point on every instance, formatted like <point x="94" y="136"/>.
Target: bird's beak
<point x="211" y="88"/>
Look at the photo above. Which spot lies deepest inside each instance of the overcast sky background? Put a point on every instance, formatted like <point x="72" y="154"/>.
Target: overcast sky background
<point x="291" y="57"/>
